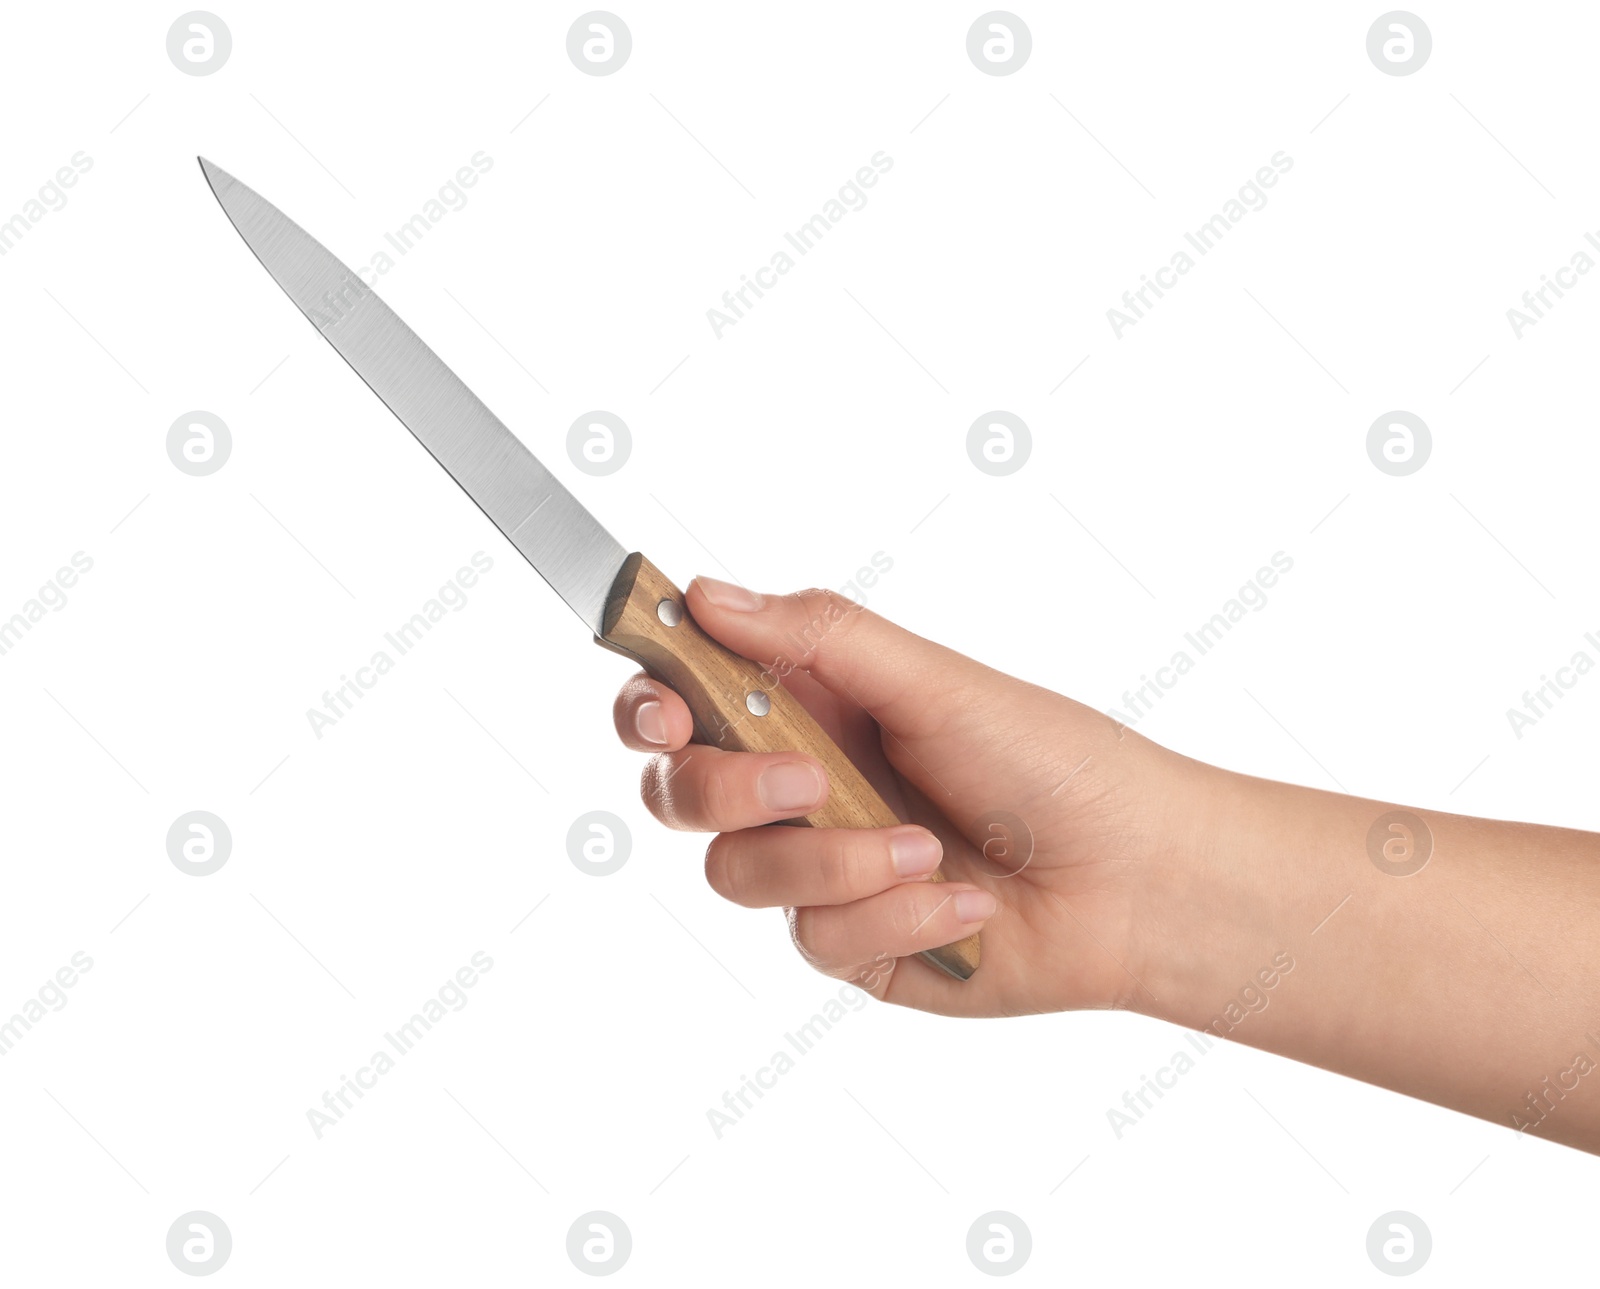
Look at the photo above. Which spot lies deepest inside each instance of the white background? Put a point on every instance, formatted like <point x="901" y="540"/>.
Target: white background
<point x="371" y="864"/>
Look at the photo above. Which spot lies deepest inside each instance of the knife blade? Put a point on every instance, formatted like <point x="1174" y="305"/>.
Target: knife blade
<point x="628" y="604"/>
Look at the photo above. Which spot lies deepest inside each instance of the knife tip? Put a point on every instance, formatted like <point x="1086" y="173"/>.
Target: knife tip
<point x="215" y="174"/>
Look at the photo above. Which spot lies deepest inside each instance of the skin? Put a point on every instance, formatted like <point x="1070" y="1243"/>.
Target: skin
<point x="1151" y="882"/>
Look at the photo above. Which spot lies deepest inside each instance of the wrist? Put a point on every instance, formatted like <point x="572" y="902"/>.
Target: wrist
<point x="1222" y="895"/>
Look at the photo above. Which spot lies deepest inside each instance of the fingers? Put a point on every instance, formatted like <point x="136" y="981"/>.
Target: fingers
<point x="840" y="940"/>
<point x="650" y="717"/>
<point x="704" y="789"/>
<point x="863" y="897"/>
<point x="769" y="868"/>
<point x="857" y="899"/>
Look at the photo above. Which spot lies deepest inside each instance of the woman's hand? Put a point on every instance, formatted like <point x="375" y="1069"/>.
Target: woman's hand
<point x="1124" y="875"/>
<point x="1045" y="817"/>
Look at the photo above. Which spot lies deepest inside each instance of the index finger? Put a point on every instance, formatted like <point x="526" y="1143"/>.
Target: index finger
<point x="651" y="717"/>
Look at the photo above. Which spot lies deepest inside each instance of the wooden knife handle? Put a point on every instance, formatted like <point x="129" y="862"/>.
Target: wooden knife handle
<point x="740" y="707"/>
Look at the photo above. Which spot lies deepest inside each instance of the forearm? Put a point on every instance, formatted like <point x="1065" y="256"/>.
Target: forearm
<point x="1473" y="982"/>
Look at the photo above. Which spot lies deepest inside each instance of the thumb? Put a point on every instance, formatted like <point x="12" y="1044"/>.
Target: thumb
<point x="910" y="685"/>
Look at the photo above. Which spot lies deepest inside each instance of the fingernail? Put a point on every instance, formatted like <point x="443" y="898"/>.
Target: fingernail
<point x="974" y="906"/>
<point x="650" y="724"/>
<point x="725" y="595"/>
<point x="793" y="785"/>
<point x="914" y="852"/>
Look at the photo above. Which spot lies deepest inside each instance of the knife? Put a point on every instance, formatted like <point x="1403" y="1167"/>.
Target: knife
<point x="632" y="608"/>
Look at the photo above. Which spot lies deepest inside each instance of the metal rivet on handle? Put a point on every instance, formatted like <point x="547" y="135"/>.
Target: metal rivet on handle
<point x="670" y="612"/>
<point x="757" y="702"/>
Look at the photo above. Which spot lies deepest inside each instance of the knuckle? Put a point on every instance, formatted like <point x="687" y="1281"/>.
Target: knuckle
<point x="826" y="612"/>
<point x="817" y="933"/>
<point x="652" y="784"/>
<point x="724" y="874"/>
<point x="914" y="912"/>
<point x="666" y="794"/>
<point x="846" y="868"/>
<point x="824" y="600"/>
<point x="717" y="795"/>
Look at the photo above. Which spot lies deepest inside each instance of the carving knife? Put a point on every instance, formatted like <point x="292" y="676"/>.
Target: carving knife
<point x="629" y="605"/>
